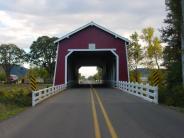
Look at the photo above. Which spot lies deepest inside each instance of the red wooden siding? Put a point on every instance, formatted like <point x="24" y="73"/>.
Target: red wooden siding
<point x="81" y="39"/>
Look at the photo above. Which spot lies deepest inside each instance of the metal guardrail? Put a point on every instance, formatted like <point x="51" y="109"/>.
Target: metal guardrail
<point x="40" y="95"/>
<point x="147" y="92"/>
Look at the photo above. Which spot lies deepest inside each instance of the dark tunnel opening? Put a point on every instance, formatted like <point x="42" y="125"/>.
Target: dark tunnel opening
<point x="106" y="60"/>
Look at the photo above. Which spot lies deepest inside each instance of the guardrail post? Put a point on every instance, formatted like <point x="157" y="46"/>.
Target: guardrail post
<point x="131" y="87"/>
<point x="124" y="87"/>
<point x="136" y="88"/>
<point x="147" y="90"/>
<point x="118" y="84"/>
<point x="127" y="83"/>
<point x="121" y="85"/>
<point x="33" y="99"/>
<point x="156" y="95"/>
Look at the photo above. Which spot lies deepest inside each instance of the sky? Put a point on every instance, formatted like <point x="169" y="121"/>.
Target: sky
<point x="23" y="21"/>
<point x="84" y="71"/>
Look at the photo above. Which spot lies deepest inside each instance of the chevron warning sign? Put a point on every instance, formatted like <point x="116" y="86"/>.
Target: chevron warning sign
<point x="156" y="78"/>
<point x="33" y="83"/>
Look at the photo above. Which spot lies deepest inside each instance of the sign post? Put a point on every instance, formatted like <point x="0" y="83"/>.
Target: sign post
<point x="33" y="83"/>
<point x="156" y="78"/>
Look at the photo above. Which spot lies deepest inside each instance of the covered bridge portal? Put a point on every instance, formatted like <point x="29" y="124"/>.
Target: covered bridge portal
<point x="91" y="45"/>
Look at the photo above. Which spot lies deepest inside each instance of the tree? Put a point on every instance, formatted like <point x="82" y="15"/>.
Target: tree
<point x="155" y="51"/>
<point x="135" y="55"/>
<point x="10" y="55"/>
<point x="43" y="53"/>
<point x="147" y="37"/>
<point x="182" y="39"/>
<point x="171" y="35"/>
<point x="135" y="76"/>
<point x="38" y="72"/>
<point x="98" y="75"/>
<point x="43" y="74"/>
<point x="2" y="75"/>
<point x="91" y="78"/>
<point x="80" y="77"/>
<point x="173" y="92"/>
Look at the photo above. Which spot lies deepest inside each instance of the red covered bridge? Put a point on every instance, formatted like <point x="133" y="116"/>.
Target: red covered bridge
<point x="91" y="45"/>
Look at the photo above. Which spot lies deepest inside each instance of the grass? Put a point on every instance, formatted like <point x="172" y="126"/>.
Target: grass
<point x="15" y="98"/>
<point x="9" y="110"/>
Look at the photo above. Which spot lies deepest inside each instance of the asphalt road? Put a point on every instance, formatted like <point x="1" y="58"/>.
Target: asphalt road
<point x="95" y="113"/>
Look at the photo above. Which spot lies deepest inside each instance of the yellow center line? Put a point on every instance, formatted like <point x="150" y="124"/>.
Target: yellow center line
<point x="95" y="118"/>
<point x="106" y="117"/>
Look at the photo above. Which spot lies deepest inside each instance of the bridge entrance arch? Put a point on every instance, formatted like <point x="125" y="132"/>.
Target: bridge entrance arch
<point x="107" y="59"/>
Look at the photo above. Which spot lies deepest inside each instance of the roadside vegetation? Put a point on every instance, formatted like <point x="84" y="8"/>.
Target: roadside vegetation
<point x="14" y="98"/>
<point x="15" y="95"/>
<point x="166" y="60"/>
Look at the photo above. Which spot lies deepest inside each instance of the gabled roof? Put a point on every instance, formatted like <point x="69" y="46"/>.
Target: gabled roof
<point x="92" y="24"/>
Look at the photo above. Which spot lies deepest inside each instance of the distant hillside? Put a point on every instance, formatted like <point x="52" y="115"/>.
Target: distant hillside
<point x="17" y="70"/>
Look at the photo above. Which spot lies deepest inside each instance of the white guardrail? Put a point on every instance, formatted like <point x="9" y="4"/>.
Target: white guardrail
<point x="147" y="92"/>
<point x="40" y="95"/>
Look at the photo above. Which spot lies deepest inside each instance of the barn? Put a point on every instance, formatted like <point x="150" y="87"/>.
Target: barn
<point x="91" y="45"/>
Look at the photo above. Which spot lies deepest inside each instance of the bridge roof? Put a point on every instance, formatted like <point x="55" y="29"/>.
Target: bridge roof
<point x="92" y="24"/>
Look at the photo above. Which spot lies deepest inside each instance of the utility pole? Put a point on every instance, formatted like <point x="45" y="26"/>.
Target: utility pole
<point x="182" y="39"/>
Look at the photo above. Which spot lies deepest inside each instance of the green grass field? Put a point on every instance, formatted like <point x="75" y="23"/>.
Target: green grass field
<point x="15" y="98"/>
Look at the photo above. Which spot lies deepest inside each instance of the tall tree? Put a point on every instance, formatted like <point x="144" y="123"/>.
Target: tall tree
<point x="182" y="38"/>
<point x="171" y="36"/>
<point x="43" y="53"/>
<point x="98" y="75"/>
<point x="147" y="37"/>
<point x="10" y="55"/>
<point x="153" y="49"/>
<point x="135" y="55"/>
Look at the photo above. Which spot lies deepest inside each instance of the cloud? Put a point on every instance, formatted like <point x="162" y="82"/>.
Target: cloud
<point x="22" y="21"/>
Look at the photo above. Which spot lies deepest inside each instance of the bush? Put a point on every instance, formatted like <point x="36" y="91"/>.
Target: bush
<point x="178" y="95"/>
<point x="2" y="76"/>
<point x="173" y="96"/>
<point x="20" y="97"/>
<point x="162" y="94"/>
<point x="135" y="77"/>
